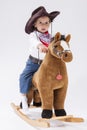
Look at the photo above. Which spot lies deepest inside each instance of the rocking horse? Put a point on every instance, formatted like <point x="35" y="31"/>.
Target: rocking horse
<point x="51" y="81"/>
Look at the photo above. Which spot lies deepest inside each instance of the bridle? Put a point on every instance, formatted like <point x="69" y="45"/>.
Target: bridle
<point x="59" y="53"/>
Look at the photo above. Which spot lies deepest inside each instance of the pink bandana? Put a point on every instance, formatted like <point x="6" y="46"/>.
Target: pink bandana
<point x="45" y="38"/>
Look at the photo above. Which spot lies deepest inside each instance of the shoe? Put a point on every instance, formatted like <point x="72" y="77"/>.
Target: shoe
<point x="25" y="111"/>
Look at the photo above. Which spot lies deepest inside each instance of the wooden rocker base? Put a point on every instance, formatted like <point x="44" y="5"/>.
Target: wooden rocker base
<point x="44" y="122"/>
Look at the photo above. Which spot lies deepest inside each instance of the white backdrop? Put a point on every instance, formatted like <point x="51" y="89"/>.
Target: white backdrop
<point x="14" y="50"/>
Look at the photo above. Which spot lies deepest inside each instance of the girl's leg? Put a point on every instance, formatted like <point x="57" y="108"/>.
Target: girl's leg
<point x="26" y="81"/>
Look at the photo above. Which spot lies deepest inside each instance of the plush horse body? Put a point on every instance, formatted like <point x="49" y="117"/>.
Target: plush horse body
<point x="51" y="79"/>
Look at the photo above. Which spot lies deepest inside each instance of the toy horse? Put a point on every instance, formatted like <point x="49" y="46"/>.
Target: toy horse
<point x="51" y="79"/>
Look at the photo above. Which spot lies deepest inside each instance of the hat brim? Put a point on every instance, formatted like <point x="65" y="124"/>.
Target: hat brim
<point x="30" y="23"/>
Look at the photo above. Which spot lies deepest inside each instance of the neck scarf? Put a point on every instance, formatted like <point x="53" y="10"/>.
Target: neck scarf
<point x="45" y="38"/>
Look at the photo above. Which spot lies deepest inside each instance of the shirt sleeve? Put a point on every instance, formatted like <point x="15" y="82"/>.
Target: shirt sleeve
<point x="33" y="40"/>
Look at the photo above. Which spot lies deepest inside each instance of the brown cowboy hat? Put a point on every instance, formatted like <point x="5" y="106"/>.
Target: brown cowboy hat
<point x="39" y="12"/>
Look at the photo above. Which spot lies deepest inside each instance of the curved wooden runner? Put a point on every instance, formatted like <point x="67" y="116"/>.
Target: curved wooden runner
<point x="44" y="122"/>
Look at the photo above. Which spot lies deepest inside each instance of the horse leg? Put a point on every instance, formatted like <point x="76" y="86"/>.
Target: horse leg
<point x="36" y="98"/>
<point x="46" y="95"/>
<point x="59" y="99"/>
<point x="30" y="95"/>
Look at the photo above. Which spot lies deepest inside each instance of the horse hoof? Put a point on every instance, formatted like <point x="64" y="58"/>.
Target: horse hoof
<point x="37" y="104"/>
<point x="60" y="112"/>
<point x="47" y="114"/>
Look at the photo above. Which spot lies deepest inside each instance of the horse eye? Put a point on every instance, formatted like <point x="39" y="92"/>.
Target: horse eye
<point x="55" y="46"/>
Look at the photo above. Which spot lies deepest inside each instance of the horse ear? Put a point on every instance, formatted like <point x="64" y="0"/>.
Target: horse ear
<point x="68" y="37"/>
<point x="57" y="37"/>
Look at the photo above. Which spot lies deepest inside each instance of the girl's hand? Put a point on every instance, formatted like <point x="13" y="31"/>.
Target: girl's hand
<point x="43" y="48"/>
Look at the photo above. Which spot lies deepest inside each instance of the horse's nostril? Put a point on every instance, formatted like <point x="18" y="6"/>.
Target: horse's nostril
<point x="66" y="55"/>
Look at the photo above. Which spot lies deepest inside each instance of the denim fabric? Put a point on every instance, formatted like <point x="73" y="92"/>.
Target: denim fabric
<point x="25" y="80"/>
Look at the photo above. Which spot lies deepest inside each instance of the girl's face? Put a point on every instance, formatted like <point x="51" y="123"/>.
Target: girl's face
<point x="42" y="24"/>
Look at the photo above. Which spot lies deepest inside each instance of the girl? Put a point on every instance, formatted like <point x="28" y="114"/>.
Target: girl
<point x="39" y="39"/>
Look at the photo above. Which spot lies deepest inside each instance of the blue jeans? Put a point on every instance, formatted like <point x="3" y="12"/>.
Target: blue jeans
<point x="25" y="81"/>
